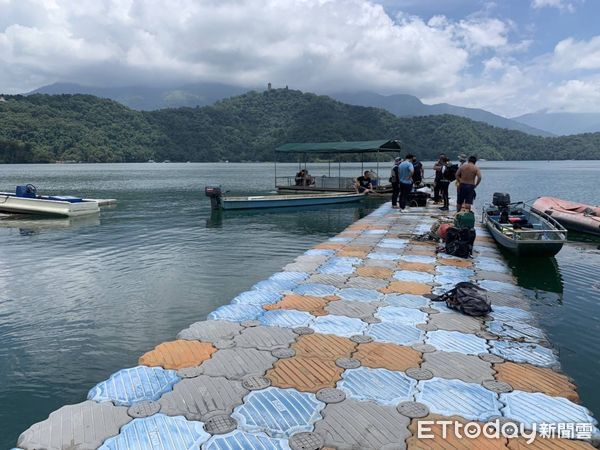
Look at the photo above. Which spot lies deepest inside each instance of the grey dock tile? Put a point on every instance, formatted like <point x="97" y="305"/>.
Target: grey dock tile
<point x="353" y="425"/>
<point x="201" y="397"/>
<point x="351" y="308"/>
<point x="454" y="341"/>
<point x="234" y="363"/>
<point x="456" y="322"/>
<point x="265" y="338"/>
<point x="454" y="365"/>
<point x="83" y="426"/>
<point x="366" y="282"/>
<point x="210" y="331"/>
<point x="332" y="279"/>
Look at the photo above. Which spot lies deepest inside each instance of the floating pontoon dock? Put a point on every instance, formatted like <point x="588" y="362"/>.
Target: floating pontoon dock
<point x="341" y="349"/>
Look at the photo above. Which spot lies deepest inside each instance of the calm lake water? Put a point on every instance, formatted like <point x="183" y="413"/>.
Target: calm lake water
<point x="82" y="299"/>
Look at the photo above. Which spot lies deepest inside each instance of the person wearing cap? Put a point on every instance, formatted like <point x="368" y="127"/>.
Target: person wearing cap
<point x="395" y="180"/>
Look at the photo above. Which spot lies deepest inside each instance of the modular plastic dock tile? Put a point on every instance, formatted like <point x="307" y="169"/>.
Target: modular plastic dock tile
<point x="455" y="397"/>
<point x="351" y="309"/>
<point x="336" y="269"/>
<point x="525" y="377"/>
<point x="360" y="295"/>
<point x="419" y="277"/>
<point x="178" y="354"/>
<point x="491" y="264"/>
<point x="456" y="262"/>
<point x="305" y="374"/>
<point x="449" y="281"/>
<point x="454" y="341"/>
<point x="407" y="287"/>
<point x="316" y="289"/>
<point x="305" y="303"/>
<point x="496" y="276"/>
<point x="275" y="285"/>
<point x="353" y="253"/>
<point x="159" y="432"/>
<point x="236" y="313"/>
<point x="406" y="300"/>
<point x="387" y="356"/>
<point x="455" y="271"/>
<point x="286" y="318"/>
<point x="441" y="440"/>
<point x="400" y="314"/>
<point x="362" y="425"/>
<point x="338" y="325"/>
<point x="519" y="331"/>
<point x="265" y="338"/>
<point x="456" y="322"/>
<point x="278" y="412"/>
<point x="83" y="426"/>
<point x="383" y="386"/>
<point x="366" y="283"/>
<point x="345" y="261"/>
<point x="210" y="330"/>
<point x="380" y="263"/>
<point x="381" y="255"/>
<point x="419" y="259"/>
<point x="255" y="297"/>
<point x="393" y="243"/>
<point x="395" y="333"/>
<point x="454" y="365"/>
<point x="529" y="408"/>
<point x="548" y="444"/>
<point x="500" y="286"/>
<point x="200" y="397"/>
<point x="240" y="440"/>
<point x="135" y="384"/>
<point x="375" y="272"/>
<point x="416" y="267"/>
<point x="234" y="363"/>
<point x="324" y="346"/>
<point x="508" y="314"/>
<point x="523" y="352"/>
<point x="331" y="279"/>
<point x="320" y="252"/>
<point x="340" y="239"/>
<point x="290" y="276"/>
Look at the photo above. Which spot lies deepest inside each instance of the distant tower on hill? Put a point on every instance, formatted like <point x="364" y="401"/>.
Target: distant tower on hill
<point x="2" y="99"/>
<point x="269" y="87"/>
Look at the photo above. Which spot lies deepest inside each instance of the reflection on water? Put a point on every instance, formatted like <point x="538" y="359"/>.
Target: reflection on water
<point x="80" y="300"/>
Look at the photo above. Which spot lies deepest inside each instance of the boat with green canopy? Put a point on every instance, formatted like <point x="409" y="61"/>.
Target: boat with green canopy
<point x="335" y="153"/>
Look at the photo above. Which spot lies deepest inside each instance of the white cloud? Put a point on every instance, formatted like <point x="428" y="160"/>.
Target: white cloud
<point x="563" y="5"/>
<point x="570" y="55"/>
<point x="576" y="96"/>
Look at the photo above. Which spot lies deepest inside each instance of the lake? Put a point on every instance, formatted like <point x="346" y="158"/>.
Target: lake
<point x="80" y="299"/>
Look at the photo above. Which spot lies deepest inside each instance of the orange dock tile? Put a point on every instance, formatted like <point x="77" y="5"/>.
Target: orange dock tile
<point x="301" y="303"/>
<point x="387" y="356"/>
<point x="330" y="246"/>
<point x="352" y="253"/>
<point x="526" y="377"/>
<point x="548" y="444"/>
<point x="375" y="272"/>
<point x="305" y="374"/>
<point x="455" y="262"/>
<point x="425" y="251"/>
<point x="324" y="346"/>
<point x="451" y="440"/>
<point x="178" y="354"/>
<point x="419" y="267"/>
<point x="406" y="287"/>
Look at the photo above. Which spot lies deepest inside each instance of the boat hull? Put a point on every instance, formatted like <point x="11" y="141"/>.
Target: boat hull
<point x="570" y="214"/>
<point x="39" y="206"/>
<point x="286" y="201"/>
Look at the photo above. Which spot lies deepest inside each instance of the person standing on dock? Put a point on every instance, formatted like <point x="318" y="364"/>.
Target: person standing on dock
<point x="405" y="172"/>
<point x="418" y="172"/>
<point x="437" y="168"/>
<point x="468" y="176"/>
<point x="395" y="180"/>
<point x="444" y="181"/>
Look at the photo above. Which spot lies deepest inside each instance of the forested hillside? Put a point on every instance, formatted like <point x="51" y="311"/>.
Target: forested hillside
<point x="46" y="128"/>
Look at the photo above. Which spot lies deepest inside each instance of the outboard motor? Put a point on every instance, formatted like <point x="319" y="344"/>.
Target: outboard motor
<point x="215" y="194"/>
<point x="501" y="199"/>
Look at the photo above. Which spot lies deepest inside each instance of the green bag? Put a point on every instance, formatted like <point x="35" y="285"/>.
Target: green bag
<point x="465" y="219"/>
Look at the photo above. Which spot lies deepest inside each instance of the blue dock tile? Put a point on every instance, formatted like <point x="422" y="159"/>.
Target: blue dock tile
<point x="520" y="331"/>
<point x="135" y="384"/>
<point x="393" y="243"/>
<point x="374" y="232"/>
<point x="509" y="314"/>
<point x="380" y="255"/>
<point x="500" y="286"/>
<point x="319" y="251"/>
<point x="258" y="298"/>
<point x="338" y="325"/>
<point x="450" y="281"/>
<point x="316" y="289"/>
<point x="400" y="314"/>
<point x="491" y="264"/>
<point x="290" y="276"/>
<point x="360" y="294"/>
<point x="455" y="341"/>
<point x="455" y="397"/>
<point x="278" y="412"/>
<point x="340" y="239"/>
<point x="455" y="271"/>
<point x="406" y="300"/>
<point x="417" y="277"/>
<point x="418" y="259"/>
<point x="236" y="313"/>
<point x="380" y="385"/>
<point x="159" y="432"/>
<point x="286" y="318"/>
<point x="396" y="333"/>
<point x="271" y="285"/>
<point x="329" y="268"/>
<point x="529" y="408"/>
<point x="241" y="440"/>
<point x="523" y="352"/>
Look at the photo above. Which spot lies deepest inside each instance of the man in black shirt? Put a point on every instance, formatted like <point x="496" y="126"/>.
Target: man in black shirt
<point x="418" y="173"/>
<point x="363" y="183"/>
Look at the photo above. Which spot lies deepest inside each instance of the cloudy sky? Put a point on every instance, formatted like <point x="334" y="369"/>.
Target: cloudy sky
<point x="507" y="56"/>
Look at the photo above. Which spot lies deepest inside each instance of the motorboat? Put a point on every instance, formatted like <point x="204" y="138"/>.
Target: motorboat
<point x="26" y="200"/>
<point x="573" y="216"/>
<point x="521" y="229"/>
<point x="218" y="201"/>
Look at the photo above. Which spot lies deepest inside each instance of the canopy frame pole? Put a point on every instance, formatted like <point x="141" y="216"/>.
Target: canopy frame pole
<point x="378" y="178"/>
<point x="362" y="164"/>
<point x="329" y="162"/>
<point x="275" y="161"/>
<point x="339" y="172"/>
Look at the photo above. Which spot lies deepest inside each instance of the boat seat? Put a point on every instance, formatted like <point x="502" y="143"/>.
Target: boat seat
<point x="65" y="198"/>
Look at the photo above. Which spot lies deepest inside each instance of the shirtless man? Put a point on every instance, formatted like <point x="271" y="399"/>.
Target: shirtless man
<point x="468" y="176"/>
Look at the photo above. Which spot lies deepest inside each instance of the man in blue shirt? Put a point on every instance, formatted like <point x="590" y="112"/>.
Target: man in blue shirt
<point x="405" y="173"/>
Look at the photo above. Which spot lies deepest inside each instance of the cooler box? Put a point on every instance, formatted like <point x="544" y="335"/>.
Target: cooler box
<point x="417" y="198"/>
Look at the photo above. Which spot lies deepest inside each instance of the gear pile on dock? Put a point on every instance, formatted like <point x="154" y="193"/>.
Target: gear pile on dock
<point x="344" y="348"/>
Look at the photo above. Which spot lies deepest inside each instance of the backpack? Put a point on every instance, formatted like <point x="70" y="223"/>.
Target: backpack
<point x="459" y="242"/>
<point x="468" y="298"/>
<point x="464" y="219"/>
<point x="450" y="172"/>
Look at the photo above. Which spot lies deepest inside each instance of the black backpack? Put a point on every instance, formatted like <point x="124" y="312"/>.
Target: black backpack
<point x="450" y="172"/>
<point x="459" y="242"/>
<point x="468" y="298"/>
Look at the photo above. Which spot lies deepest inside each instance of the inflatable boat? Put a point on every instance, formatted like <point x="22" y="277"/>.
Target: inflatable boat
<point x="573" y="216"/>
